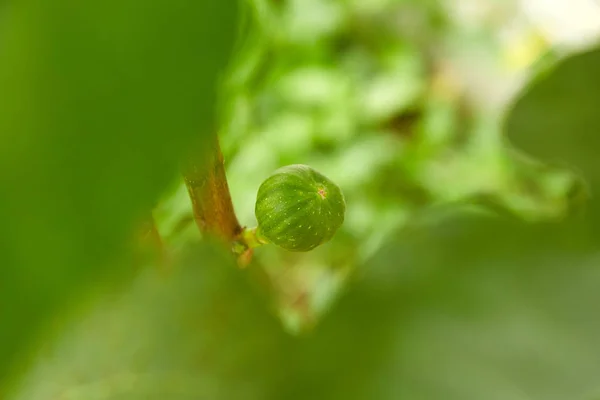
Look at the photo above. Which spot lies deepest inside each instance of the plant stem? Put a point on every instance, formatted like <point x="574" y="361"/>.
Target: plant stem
<point x="207" y="186"/>
<point x="209" y="192"/>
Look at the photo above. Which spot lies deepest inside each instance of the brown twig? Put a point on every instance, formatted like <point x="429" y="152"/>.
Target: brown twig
<point x="209" y="192"/>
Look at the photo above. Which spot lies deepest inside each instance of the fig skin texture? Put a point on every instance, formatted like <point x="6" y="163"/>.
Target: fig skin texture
<point x="298" y="208"/>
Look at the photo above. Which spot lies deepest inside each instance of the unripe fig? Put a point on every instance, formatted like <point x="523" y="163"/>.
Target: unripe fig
<point x="298" y="208"/>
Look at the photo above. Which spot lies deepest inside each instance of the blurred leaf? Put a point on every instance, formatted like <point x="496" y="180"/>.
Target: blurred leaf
<point x="201" y="333"/>
<point x="556" y="119"/>
<point x="99" y="101"/>
<point x="467" y="309"/>
<point x="313" y="86"/>
<point x="394" y="89"/>
<point x="306" y="21"/>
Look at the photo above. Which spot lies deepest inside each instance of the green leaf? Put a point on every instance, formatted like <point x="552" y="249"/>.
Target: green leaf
<point x="203" y="332"/>
<point x="556" y="119"/>
<point x="99" y="102"/>
<point x="465" y="309"/>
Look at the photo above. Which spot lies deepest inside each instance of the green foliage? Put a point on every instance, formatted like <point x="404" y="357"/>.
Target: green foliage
<point x="562" y="111"/>
<point x="377" y="96"/>
<point x="298" y="208"/>
<point x="444" y="302"/>
<point x="203" y="333"/>
<point x="99" y="100"/>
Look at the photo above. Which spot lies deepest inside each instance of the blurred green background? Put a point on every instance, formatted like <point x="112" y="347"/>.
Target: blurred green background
<point x="463" y="134"/>
<point x="400" y="103"/>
